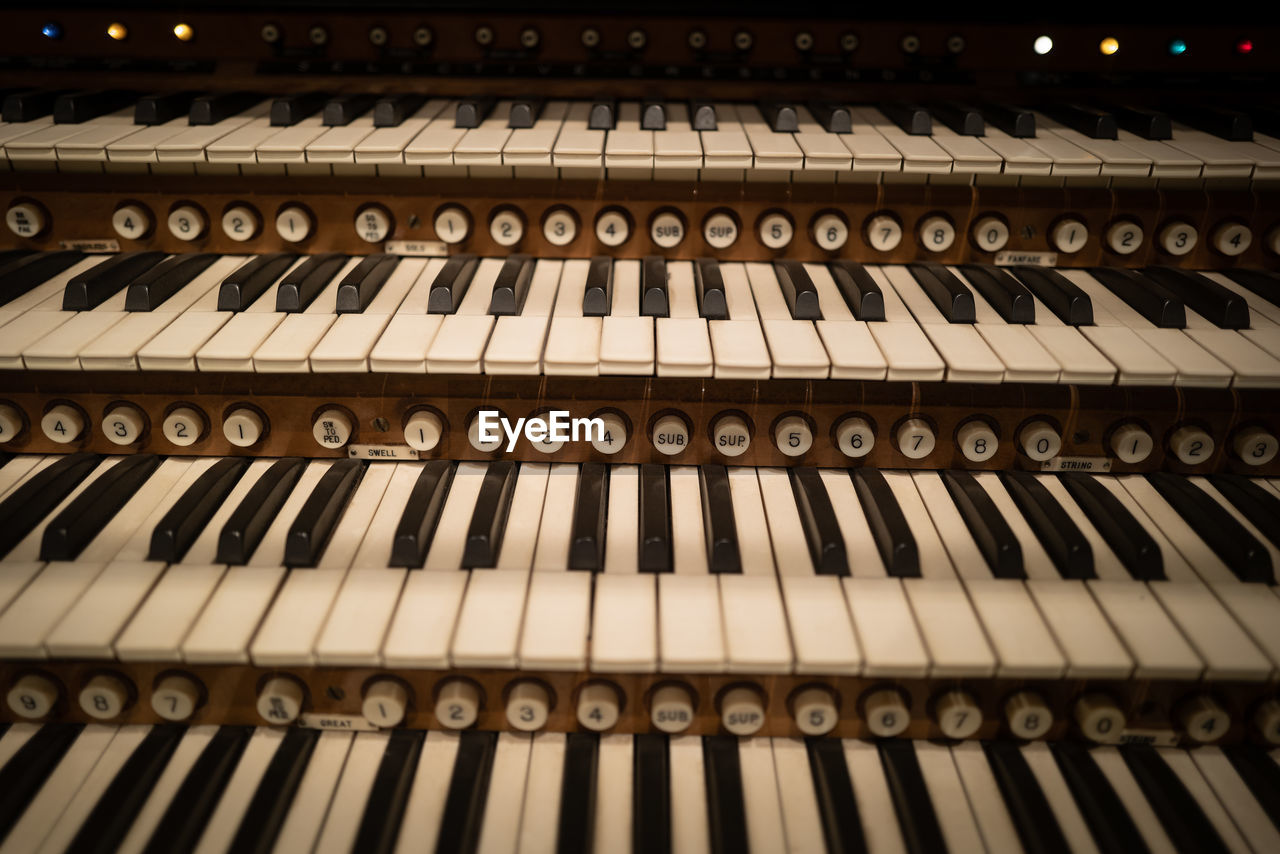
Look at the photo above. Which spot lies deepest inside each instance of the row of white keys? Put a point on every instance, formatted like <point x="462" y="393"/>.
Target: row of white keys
<point x="677" y="149"/>
<point x="1024" y="358"/>
<point x="1068" y="159"/>
<point x="229" y="339"/>
<point x="531" y="148"/>
<point x="41" y="310"/>
<point x="682" y="340"/>
<point x="288" y="145"/>
<point x="287" y="348"/>
<point x="850" y="346"/>
<point x="1223" y="158"/>
<point x="403" y="345"/>
<point x="1019" y="156"/>
<point x="626" y="337"/>
<point x="18" y="468"/>
<point x="920" y="154"/>
<point x="628" y="150"/>
<point x="966" y="353"/>
<point x="39" y="149"/>
<point x="737" y="344"/>
<point x="144" y="143"/>
<point x="459" y="344"/>
<point x="573" y="341"/>
<point x="794" y="345"/>
<point x="906" y="348"/>
<point x="350" y="794"/>
<point x="347" y="345"/>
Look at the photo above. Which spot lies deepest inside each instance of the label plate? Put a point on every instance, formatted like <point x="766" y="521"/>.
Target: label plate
<point x="91" y="245"/>
<point x="381" y="452"/>
<point x="1085" y="464"/>
<point x="1009" y="257"/>
<point x="416" y="247"/>
<point x="311" y="720"/>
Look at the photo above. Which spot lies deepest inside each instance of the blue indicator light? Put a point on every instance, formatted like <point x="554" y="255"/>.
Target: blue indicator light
<point x="51" y="31"/>
<point x="1177" y="47"/>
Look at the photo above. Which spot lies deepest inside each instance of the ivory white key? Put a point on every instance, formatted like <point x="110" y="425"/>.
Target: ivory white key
<point x="42" y="306"/>
<point x="1166" y="161"/>
<point x="821" y="632"/>
<point x="738" y="343"/>
<point x="236" y="797"/>
<point x="488" y="629"/>
<point x="240" y="146"/>
<point x="627" y="146"/>
<point x="1159" y="649"/>
<point x="289" y="145"/>
<point x="539" y="819"/>
<point x="1080" y="362"/>
<point x="891" y="641"/>
<point x="880" y="825"/>
<point x="626" y="338"/>
<point x="682" y="340"/>
<point x="350" y="341"/>
<point x="947" y="795"/>
<point x="726" y="150"/>
<point x="1087" y="640"/>
<point x="162" y="792"/>
<point x="1180" y="547"/>
<point x="690" y="636"/>
<point x="386" y="146"/>
<point x="434" y="144"/>
<point x="906" y="348"/>
<point x="424" y="808"/>
<point x="338" y="144"/>
<point x="577" y="146"/>
<point x="1219" y="640"/>
<point x="19" y="470"/>
<point x="1069" y="160"/>
<point x="530" y="148"/>
<point x="860" y="547"/>
<point x="800" y="817"/>
<point x="423" y="624"/>
<point x="849" y="343"/>
<point x="1019" y="155"/>
<point x="483" y="145"/>
<point x="689" y="825"/>
<point x="1222" y="158"/>
<point x="1184" y="767"/>
<point x="404" y="344"/>
<point x="1175" y="566"/>
<point x="287" y="348"/>
<point x="755" y="551"/>
<point x="455" y="517"/>
<point x="1115" y="158"/>
<point x="573" y="341"/>
<point x="920" y="154"/>
<point x="459" y="345"/>
<point x="624" y="623"/>
<point x="794" y="345"/>
<point x="613" y="793"/>
<point x="499" y="831"/>
<point x="822" y="150"/>
<point x="622" y="528"/>
<point x="10" y="131"/>
<point x="325" y="769"/>
<point x="556" y="621"/>
<point x="1113" y="767"/>
<point x="191" y="146"/>
<point x="342" y="821"/>
<point x="29" y="149"/>
<point x="677" y="149"/>
<point x="1070" y="821"/>
<point x="772" y="152"/>
<point x="985" y="800"/>
<point x="1024" y="357"/>
<point x="760" y="794"/>
<point x="970" y="155"/>
<point x="871" y="151"/>
<point x="517" y="342"/>
<point x="967" y="355"/>
<point x="1234" y="796"/>
<point x="232" y="346"/>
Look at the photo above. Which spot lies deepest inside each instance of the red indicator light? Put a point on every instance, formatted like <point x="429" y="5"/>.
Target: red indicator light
<point x="1244" y="46"/>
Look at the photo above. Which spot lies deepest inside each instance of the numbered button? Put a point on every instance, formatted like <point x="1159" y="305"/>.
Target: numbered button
<point x="1232" y="238"/>
<point x="742" y="711"/>
<point x="457" y="704"/>
<point x="666" y="229"/>
<point x="1040" y="441"/>
<point x="1203" y="720"/>
<point x="131" y="222"/>
<point x="488" y="439"/>
<point x="671" y="709"/>
<point x="720" y="230"/>
<point x="26" y="219"/>
<point x="294" y="224"/>
<point x="452" y="224"/>
<point x="731" y="435"/>
<point x="280" y="700"/>
<point x="1068" y="235"/>
<point x="884" y="232"/>
<point x="240" y="223"/>
<point x="815" y="710"/>
<point x="990" y="234"/>
<point x="855" y="437"/>
<point x="1266" y="718"/>
<point x="1256" y="446"/>
<point x="507" y="227"/>
<point x="598" y="706"/>
<point x="560" y="227"/>
<point x="614" y="436"/>
<point x="1191" y="445"/>
<point x="886" y="713"/>
<point x="423" y="430"/>
<point x="1131" y="443"/>
<point x="613" y="228"/>
<point x="33" y="696"/>
<point x="385" y="702"/>
<point x="916" y="439"/>
<point x="11" y="423"/>
<point x="793" y="436"/>
<point x="175" y="698"/>
<point x="670" y="435"/>
<point x="1124" y="238"/>
<point x="977" y="441"/>
<point x="123" y="425"/>
<point x="1178" y="238"/>
<point x="187" y="222"/>
<point x="183" y="426"/>
<point x="1099" y="718"/>
<point x="104" y="697"/>
<point x="776" y="230"/>
<point x="243" y="427"/>
<point x="374" y="224"/>
<point x="957" y="714"/>
<point x="1027" y="715"/>
<point x="63" y="424"/>
<point x="937" y="233"/>
<point x="541" y="435"/>
<point x="528" y="705"/>
<point x="830" y="232"/>
<point x="1273" y="241"/>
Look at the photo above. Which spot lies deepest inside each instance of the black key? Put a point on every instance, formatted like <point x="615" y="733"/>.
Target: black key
<point x="32" y="105"/>
<point x="90" y="511"/>
<point x="841" y="824"/>
<point x="12" y="257"/>
<point x="718" y="521"/>
<point x="798" y="290"/>
<point x="1090" y="121"/>
<point x="188" y="516"/>
<point x="603" y="115"/>
<point x="246" y="526"/>
<point x="450" y="284"/>
<point x="654" y="301"/>
<point x="860" y="291"/>
<point x="265" y="814"/>
<point x="945" y="291"/>
<point x="1014" y="121"/>
<point x="781" y="116"/>
<point x="1032" y="816"/>
<point x="834" y="118"/>
<point x="304" y="283"/>
<point x="310" y="531"/>
<point x="578" y="794"/>
<point x="990" y="531"/>
<point x="1061" y="295"/>
<point x="650" y="795"/>
<point x="586" y="543"/>
<point x="35" y="499"/>
<point x="488" y="521"/>
<point x="512" y="285"/>
<point x="1146" y="123"/>
<point x="525" y="112"/>
<point x="1152" y="301"/>
<point x="961" y="118"/>
<point x="1263" y="283"/>
<point x="912" y="118"/>
<point x="392" y="110"/>
<point x="184" y="820"/>
<point x="342" y="110"/>
<point x="597" y="297"/>
<point x="1006" y="294"/>
<point x="472" y="111"/>
<point x="1057" y="532"/>
<point x="1219" y="121"/>
<point x="288" y="110"/>
<point x="28" y="769"/>
<point x="889" y="528"/>
<point x="1221" y="306"/>
<point x="1213" y="523"/>
<point x="93" y="287"/>
<point x="421" y="513"/>
<point x="818" y="518"/>
<point x="238" y="291"/>
<point x="911" y="801"/>
<point x="149" y="291"/>
<point x="21" y="275"/>
<point x="384" y="811"/>
<point x="702" y="115"/>
<point x="655" y="519"/>
<point x="653" y="116"/>
<point x="710" y="287"/>
<point x="161" y="108"/>
<point x="358" y="288"/>
<point x="1109" y="822"/>
<point x="211" y="109"/>
<point x="1256" y="504"/>
<point x="468" y="791"/>
<point x="1260" y="773"/>
<point x="1126" y="537"/>
<point x="726" y="813"/>
<point x="1183" y="820"/>
<point x="75" y="108"/>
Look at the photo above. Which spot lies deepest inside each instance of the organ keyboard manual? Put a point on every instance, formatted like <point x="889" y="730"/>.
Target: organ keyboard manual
<point x="673" y="428"/>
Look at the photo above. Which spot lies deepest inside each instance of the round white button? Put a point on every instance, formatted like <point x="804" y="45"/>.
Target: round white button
<point x="666" y="229"/>
<point x="1099" y="718"/>
<point x="175" y="698"/>
<point x="1178" y="238"/>
<point x="187" y="222"/>
<point x="240" y="223"/>
<point x="671" y="709"/>
<point x="457" y="704"/>
<point x="1040" y="441"/>
<point x="977" y="441"/>
<point x="280" y="700"/>
<point x="741" y="711"/>
<point x="613" y="228"/>
<point x="830" y="232"/>
<point x="507" y="227"/>
<point x="776" y="230"/>
<point x="855" y="438"/>
<point x="242" y="427"/>
<point x="1232" y="238"/>
<point x="132" y="222"/>
<point x="1069" y="235"/>
<point x="10" y="423"/>
<point x="25" y="220"/>
<point x="423" y="430"/>
<point x="183" y="426"/>
<point x="598" y="706"/>
<point x="731" y="436"/>
<point x="937" y="233"/>
<point x="720" y="230"/>
<point x="373" y="224"/>
<point x="886" y="713"/>
<point x="1124" y="238"/>
<point x="1254" y="445"/>
<point x="670" y="435"/>
<point x="1203" y="720"/>
<point x="915" y="439"/>
<point x="104" y="697"/>
<point x="540" y="433"/>
<point x="528" y="706"/>
<point x="332" y="428"/>
<point x="793" y="436"/>
<point x="33" y="696"/>
<point x="1191" y="445"/>
<point x="1028" y="715"/>
<point x="884" y="232"/>
<point x="814" y="710"/>
<point x="62" y="424"/>
<point x="1266" y="719"/>
<point x="614" y="437"/>
<point x="957" y="715"/>
<point x="484" y="445"/>
<point x="293" y="224"/>
<point x="560" y="227"/>
<point x="384" y="703"/>
<point x="123" y="425"/>
<point x="990" y="234"/>
<point x="452" y="224"/>
<point x="1131" y="443"/>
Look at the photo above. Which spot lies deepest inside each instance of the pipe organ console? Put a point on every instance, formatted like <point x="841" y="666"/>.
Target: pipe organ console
<point x="495" y="430"/>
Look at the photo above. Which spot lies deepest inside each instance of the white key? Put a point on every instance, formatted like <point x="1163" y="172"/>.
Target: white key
<point x="690" y="832"/>
<point x="920" y="154"/>
<point x="556" y="621"/>
<point x="1255" y="613"/>
<point x="954" y="635"/>
<point x="488" y="629"/>
<point x="738" y="343"/>
<point x="19" y="469"/>
<point x="517" y="342"/>
<point x="1087" y="640"/>
<point x="347" y="807"/>
<point x="627" y="146"/>
<point x="970" y="155"/>
<point x="386" y="146"/>
<point x="184" y="757"/>
<point x="423" y="624"/>
<point x="531" y="147"/>
<point x="1045" y="769"/>
<point x="760" y="795"/>
<point x="302" y="823"/>
<point x="348" y="344"/>
<point x="433" y="146"/>
<point x="726" y="150"/>
<point x="621" y="545"/>
<point x="771" y="151"/>
<point x="1235" y="798"/>
<point x="678" y="148"/>
<point x="800" y="816"/>
<point x="947" y="795"/>
<point x="482" y="145"/>
<point x="624" y="620"/>
<point x="683" y="344"/>
<point x="227" y="815"/>
<point x="906" y="348"/>
<point x="1024" y="357"/>
<point x="754" y="548"/>
<point x="499" y="831"/>
<point x="794" y="345"/>
<point x="891" y="642"/>
<point x="424" y="808"/>
<point x="613" y="794"/>
<point x="1115" y="158"/>
<point x="338" y="144"/>
<point x="191" y="145"/>
<point x="1220" y="641"/>
<point x="967" y="356"/>
<point x="1112" y="765"/>
<point x="1185" y="769"/>
<point x="871" y="151"/>
<point x="577" y="146"/>
<point x="850" y="346"/>
<point x="985" y="800"/>
<point x="880" y="825"/>
<point x="822" y="150"/>
<point x="539" y="820"/>
<point x="690" y="636"/>
<point x="41" y="145"/>
<point x="626" y="339"/>
<point x="1152" y="639"/>
<point x="860" y="547"/>
<point x="821" y="631"/>
<point x="455" y="517"/>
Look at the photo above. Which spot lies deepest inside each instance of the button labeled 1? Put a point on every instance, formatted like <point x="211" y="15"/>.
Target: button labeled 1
<point x="293" y="224"/>
<point x="1069" y="235"/>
